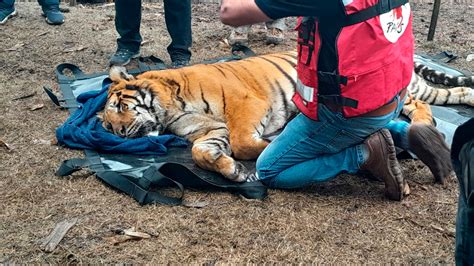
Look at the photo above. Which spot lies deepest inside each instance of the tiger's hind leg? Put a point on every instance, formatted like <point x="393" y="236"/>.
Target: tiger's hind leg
<point x="246" y="133"/>
<point x="418" y="111"/>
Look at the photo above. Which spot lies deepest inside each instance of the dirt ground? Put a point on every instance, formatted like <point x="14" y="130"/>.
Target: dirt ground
<point x="346" y="220"/>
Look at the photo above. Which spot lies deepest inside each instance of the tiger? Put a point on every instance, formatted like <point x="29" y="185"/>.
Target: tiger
<point x="227" y="110"/>
<point x="421" y="94"/>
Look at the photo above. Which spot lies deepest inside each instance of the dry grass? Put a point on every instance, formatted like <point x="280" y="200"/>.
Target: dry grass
<point x="346" y="220"/>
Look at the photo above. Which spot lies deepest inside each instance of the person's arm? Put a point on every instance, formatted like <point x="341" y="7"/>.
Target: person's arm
<point x="244" y="12"/>
<point x="241" y="12"/>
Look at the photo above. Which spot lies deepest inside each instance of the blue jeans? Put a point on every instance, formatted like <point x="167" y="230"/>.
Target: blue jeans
<point x="10" y="3"/>
<point x="309" y="151"/>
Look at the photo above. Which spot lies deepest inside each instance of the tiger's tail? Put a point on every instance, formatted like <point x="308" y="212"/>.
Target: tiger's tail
<point x="439" y="77"/>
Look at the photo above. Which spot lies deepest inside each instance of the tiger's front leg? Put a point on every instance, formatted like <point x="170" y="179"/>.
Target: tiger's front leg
<point x="417" y="111"/>
<point x="211" y="148"/>
<point x="212" y="152"/>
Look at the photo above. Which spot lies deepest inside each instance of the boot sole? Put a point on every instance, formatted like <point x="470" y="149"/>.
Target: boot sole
<point x="429" y="146"/>
<point x="126" y="62"/>
<point x="14" y="13"/>
<point x="53" y="23"/>
<point x="395" y="169"/>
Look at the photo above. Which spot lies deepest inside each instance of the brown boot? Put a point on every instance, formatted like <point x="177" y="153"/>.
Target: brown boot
<point x="383" y="164"/>
<point x="429" y="146"/>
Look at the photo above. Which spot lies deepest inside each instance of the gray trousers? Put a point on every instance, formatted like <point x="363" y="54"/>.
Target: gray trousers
<point x="274" y="24"/>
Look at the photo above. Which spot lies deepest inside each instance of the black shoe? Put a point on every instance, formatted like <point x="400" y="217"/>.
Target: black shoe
<point x="53" y="14"/>
<point x="123" y="57"/>
<point x="178" y="63"/>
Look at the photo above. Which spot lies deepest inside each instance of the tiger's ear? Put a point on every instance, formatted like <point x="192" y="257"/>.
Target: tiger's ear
<point x="118" y="73"/>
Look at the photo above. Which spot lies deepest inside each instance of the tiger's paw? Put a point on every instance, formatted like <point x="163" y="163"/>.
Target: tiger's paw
<point x="239" y="174"/>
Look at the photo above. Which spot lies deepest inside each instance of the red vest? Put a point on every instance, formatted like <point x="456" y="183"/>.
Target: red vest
<point x="373" y="58"/>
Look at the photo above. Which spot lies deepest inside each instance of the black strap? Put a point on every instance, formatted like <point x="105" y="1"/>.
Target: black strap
<point x="237" y="47"/>
<point x="59" y="102"/>
<point x="70" y="166"/>
<point x="186" y="177"/>
<point x="308" y="26"/>
<point x="145" y="192"/>
<point x="338" y="100"/>
<point x="149" y="193"/>
<point x="148" y="188"/>
<point x="331" y="78"/>
<point x="75" y="71"/>
<point x="306" y="37"/>
<point x="383" y="6"/>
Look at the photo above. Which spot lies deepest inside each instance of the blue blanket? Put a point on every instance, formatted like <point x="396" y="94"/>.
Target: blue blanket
<point x="83" y="130"/>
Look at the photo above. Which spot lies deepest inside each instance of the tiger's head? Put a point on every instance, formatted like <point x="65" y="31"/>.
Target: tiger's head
<point x="132" y="109"/>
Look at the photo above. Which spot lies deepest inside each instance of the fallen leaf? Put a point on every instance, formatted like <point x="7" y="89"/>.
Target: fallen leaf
<point x="16" y="47"/>
<point x="43" y="33"/>
<point x="50" y="242"/>
<point x="41" y="142"/>
<point x="226" y="41"/>
<point x="133" y="233"/>
<point x="36" y="107"/>
<point x="147" y="42"/>
<point x="74" y="49"/>
<point x="115" y="240"/>
<point x="5" y="145"/>
<point x="24" y="96"/>
<point x="447" y="231"/>
<point x="124" y="235"/>
<point x="195" y="204"/>
<point x="470" y="57"/>
<point x="106" y="5"/>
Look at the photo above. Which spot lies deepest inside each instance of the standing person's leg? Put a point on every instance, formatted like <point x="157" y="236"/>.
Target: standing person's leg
<point x="178" y="23"/>
<point x="463" y="160"/>
<point x="240" y="35"/>
<point x="310" y="151"/>
<point x="128" y="15"/>
<point x="51" y="11"/>
<point x="275" y="31"/>
<point x="7" y="10"/>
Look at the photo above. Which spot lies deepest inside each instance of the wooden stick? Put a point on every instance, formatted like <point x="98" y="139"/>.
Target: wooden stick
<point x="434" y="19"/>
<point x="53" y="239"/>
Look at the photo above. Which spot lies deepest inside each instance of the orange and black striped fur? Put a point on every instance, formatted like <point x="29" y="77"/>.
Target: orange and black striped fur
<point x="422" y="94"/>
<point x="224" y="109"/>
<point x="227" y="110"/>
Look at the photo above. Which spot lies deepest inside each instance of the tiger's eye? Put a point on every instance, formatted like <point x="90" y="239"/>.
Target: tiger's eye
<point x="109" y="127"/>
